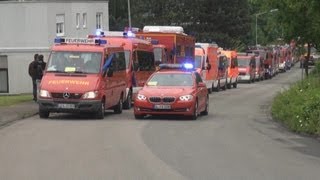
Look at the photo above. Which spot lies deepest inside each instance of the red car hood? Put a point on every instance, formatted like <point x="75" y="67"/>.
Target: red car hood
<point x="165" y="91"/>
<point x="72" y="83"/>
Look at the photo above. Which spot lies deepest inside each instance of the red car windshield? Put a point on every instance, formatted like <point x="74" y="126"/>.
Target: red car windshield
<point x="171" y="79"/>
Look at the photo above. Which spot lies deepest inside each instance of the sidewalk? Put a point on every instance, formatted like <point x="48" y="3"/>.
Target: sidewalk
<point x="16" y="112"/>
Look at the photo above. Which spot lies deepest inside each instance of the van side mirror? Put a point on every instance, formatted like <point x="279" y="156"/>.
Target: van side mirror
<point x="208" y="66"/>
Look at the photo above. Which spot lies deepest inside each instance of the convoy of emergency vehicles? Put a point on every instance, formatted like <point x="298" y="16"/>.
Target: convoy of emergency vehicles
<point x="148" y="69"/>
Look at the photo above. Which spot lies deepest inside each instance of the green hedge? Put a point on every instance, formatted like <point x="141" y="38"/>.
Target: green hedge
<point x="299" y="107"/>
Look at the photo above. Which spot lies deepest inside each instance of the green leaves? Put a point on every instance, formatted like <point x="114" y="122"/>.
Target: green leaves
<point x="224" y="21"/>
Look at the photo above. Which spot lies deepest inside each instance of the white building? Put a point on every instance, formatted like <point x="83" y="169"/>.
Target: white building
<point x="29" y="27"/>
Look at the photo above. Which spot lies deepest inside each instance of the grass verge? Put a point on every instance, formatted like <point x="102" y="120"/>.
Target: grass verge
<point x="7" y="100"/>
<point x="299" y="107"/>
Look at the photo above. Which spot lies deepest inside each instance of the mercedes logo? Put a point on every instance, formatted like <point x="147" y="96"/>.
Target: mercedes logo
<point x="66" y="95"/>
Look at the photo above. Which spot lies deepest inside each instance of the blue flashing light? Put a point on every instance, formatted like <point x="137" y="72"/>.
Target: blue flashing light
<point x="154" y="41"/>
<point x="188" y="66"/>
<point x="100" y="41"/>
<point x="59" y="40"/>
<point x="129" y="34"/>
<point x="99" y="32"/>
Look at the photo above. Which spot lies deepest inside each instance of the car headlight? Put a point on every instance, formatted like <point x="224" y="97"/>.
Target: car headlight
<point x="141" y="97"/>
<point x="90" y="95"/>
<point x="186" y="98"/>
<point x="44" y="94"/>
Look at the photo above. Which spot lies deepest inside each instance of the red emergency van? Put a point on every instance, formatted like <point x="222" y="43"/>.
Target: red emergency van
<point x="179" y="46"/>
<point x="247" y="67"/>
<point x="83" y="75"/>
<point x="211" y="64"/>
<point x="233" y="71"/>
<point x="140" y="60"/>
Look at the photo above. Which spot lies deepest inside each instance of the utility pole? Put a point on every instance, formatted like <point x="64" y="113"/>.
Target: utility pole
<point x="129" y="13"/>
<point x="258" y="14"/>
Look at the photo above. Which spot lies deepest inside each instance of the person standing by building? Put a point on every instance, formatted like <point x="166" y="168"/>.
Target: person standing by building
<point x="32" y="73"/>
<point x="41" y="65"/>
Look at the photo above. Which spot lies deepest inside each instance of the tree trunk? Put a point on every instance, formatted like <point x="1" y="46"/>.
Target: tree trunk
<point x="307" y="60"/>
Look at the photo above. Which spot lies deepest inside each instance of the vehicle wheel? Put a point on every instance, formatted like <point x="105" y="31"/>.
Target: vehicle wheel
<point x="128" y="103"/>
<point x="225" y="85"/>
<point x="217" y="89"/>
<point x="119" y="106"/>
<point x="138" y="116"/>
<point x="43" y="114"/>
<point x="195" y="111"/>
<point x="100" y="112"/>
<point x="210" y="90"/>
<point x="235" y="84"/>
<point x="229" y="85"/>
<point x="206" y="111"/>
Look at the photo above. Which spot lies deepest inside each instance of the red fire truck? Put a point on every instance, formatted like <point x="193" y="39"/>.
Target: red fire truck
<point x="178" y="46"/>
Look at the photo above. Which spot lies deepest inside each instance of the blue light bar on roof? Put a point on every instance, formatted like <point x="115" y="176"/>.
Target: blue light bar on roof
<point x="58" y="40"/>
<point x="186" y="66"/>
<point x="100" y="41"/>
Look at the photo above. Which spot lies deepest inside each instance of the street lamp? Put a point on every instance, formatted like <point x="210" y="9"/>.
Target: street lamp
<point x="129" y="14"/>
<point x="258" y="14"/>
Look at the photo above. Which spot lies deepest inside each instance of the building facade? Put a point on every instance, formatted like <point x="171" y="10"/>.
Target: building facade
<point x="29" y="27"/>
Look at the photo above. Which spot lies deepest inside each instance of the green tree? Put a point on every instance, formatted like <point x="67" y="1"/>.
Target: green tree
<point x="300" y="21"/>
<point x="226" y="22"/>
<point x="118" y="15"/>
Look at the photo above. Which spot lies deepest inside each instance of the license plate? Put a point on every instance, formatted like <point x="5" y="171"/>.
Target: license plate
<point x="66" y="106"/>
<point x="239" y="77"/>
<point x="162" y="106"/>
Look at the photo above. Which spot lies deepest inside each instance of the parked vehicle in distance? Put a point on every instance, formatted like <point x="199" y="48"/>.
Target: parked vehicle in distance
<point x="209" y="59"/>
<point x="233" y="71"/>
<point x="176" y="89"/>
<point x="83" y="75"/>
<point x="247" y="67"/>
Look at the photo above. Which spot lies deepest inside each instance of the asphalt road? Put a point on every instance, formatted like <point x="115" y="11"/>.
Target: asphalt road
<point x="237" y="140"/>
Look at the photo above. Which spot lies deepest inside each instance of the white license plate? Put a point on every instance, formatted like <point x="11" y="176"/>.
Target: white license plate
<point x="239" y="78"/>
<point x="162" y="106"/>
<point x="66" y="106"/>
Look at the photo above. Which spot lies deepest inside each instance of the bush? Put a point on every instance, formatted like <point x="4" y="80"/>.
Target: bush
<point x="299" y="107"/>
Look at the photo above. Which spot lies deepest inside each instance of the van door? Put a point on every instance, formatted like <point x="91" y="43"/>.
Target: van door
<point x="119" y="76"/>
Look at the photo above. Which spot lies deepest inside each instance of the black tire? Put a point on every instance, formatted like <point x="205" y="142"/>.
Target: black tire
<point x="217" y="89"/>
<point x="206" y="110"/>
<point x="195" y="112"/>
<point x="138" y="116"/>
<point x="100" y="113"/>
<point x="118" y="108"/>
<point x="225" y="85"/>
<point x="229" y="84"/>
<point x="128" y="103"/>
<point x="235" y="84"/>
<point x="43" y="114"/>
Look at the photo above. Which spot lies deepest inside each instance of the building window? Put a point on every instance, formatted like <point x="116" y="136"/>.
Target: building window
<point x="78" y="20"/>
<point x="4" y="79"/>
<point x="60" y="25"/>
<point x="99" y="21"/>
<point x="84" y="17"/>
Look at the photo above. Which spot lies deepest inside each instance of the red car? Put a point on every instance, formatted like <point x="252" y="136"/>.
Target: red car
<point x="176" y="89"/>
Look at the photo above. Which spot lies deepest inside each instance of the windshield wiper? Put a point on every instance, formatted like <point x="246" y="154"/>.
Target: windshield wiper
<point x="55" y="71"/>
